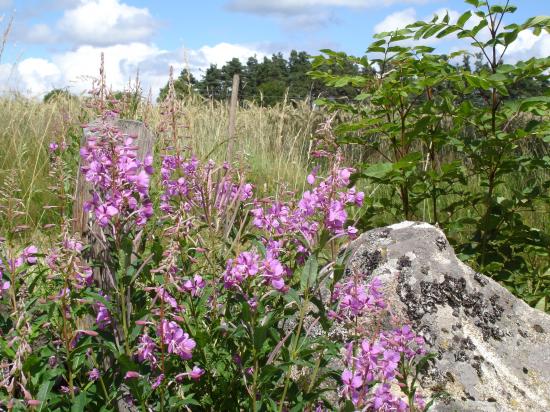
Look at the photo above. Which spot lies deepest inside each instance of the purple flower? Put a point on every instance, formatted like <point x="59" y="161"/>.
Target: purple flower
<point x="93" y="375"/>
<point x="356" y="298"/>
<point x="148" y="164"/>
<point x="352" y="383"/>
<point x="132" y="375"/>
<point x="194" y="286"/>
<point x="28" y="255"/>
<point x="351" y="380"/>
<point x="4" y="285"/>
<point x="167" y="298"/>
<point x="237" y="270"/>
<point x="103" y="317"/>
<point x="273" y="271"/>
<point x="84" y="277"/>
<point x="104" y="213"/>
<point x="336" y="216"/>
<point x="177" y="341"/>
<point x="146" y="350"/>
<point x="66" y="389"/>
<point x="120" y="181"/>
<point x="196" y="373"/>
<point x="389" y="363"/>
<point x="158" y="381"/>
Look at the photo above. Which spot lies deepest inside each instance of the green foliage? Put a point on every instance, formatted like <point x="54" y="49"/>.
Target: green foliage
<point x="56" y="94"/>
<point x="184" y="85"/>
<point x="267" y="82"/>
<point x="450" y="139"/>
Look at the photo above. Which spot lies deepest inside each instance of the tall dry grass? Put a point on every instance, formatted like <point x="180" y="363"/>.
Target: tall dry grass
<point x="272" y="145"/>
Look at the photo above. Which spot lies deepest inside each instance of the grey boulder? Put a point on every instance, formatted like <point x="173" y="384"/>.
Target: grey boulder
<point x="493" y="350"/>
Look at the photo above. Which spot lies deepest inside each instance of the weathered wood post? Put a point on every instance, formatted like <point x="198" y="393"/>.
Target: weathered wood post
<point x="82" y="225"/>
<point x="91" y="232"/>
<point x="145" y="142"/>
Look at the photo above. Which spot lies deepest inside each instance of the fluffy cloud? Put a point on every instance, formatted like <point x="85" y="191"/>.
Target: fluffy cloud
<point x="396" y="20"/>
<point x="39" y="33"/>
<point x="90" y="22"/>
<point x="107" y="22"/>
<point x="307" y="14"/>
<point x="221" y="53"/>
<point x="400" y="19"/>
<point x="528" y="45"/>
<point x="293" y="7"/>
<point x="74" y="69"/>
<point x="38" y="73"/>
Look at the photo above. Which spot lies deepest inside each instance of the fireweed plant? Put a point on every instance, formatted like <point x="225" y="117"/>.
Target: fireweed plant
<point x="204" y="297"/>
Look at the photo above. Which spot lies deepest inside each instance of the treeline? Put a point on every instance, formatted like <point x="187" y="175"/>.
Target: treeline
<point x="268" y="81"/>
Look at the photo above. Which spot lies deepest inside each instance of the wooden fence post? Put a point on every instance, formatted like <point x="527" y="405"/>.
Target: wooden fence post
<point x="90" y="231"/>
<point x="232" y="116"/>
<point x="145" y="142"/>
<point x="81" y="224"/>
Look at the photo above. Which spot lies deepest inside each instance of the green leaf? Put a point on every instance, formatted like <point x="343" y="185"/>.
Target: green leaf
<point x="309" y="273"/>
<point x="481" y="25"/>
<point x="464" y="18"/>
<point x="541" y="304"/>
<point x="79" y="402"/>
<point x="510" y="37"/>
<point x="378" y="170"/>
<point x="43" y="393"/>
<point x="536" y="21"/>
<point x="447" y="31"/>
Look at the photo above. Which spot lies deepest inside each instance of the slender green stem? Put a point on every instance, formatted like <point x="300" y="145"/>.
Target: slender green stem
<point x="296" y="339"/>
<point x="124" y="320"/>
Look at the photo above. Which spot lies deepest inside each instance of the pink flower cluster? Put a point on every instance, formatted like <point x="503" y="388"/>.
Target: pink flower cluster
<point x="372" y="369"/>
<point x="249" y="264"/>
<point x="204" y="188"/>
<point x="120" y="180"/>
<point x="67" y="259"/>
<point x="27" y="257"/>
<point x="103" y="317"/>
<point x="288" y="227"/>
<point x="355" y="298"/>
<point x="176" y="341"/>
<point x="324" y="203"/>
<point x="4" y="284"/>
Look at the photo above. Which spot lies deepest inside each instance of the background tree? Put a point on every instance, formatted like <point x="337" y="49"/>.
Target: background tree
<point x="184" y="85"/>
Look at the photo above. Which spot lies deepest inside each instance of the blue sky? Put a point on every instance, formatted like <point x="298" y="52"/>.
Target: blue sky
<point x="56" y="43"/>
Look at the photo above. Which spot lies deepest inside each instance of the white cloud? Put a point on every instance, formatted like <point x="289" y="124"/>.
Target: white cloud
<point x="291" y="7"/>
<point x="397" y="20"/>
<point x="527" y="45"/>
<point x="4" y="4"/>
<point x="39" y="74"/>
<point x="221" y="53"/>
<point x="106" y="22"/>
<point x="91" y="22"/>
<point x="40" y="33"/>
<point x="308" y="14"/>
<point x="74" y="69"/>
<point x="400" y="19"/>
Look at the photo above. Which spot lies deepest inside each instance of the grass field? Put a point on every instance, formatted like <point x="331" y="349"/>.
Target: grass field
<point x="273" y="145"/>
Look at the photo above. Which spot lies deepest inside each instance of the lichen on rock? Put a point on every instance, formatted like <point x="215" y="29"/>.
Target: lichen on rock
<point x="493" y="350"/>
